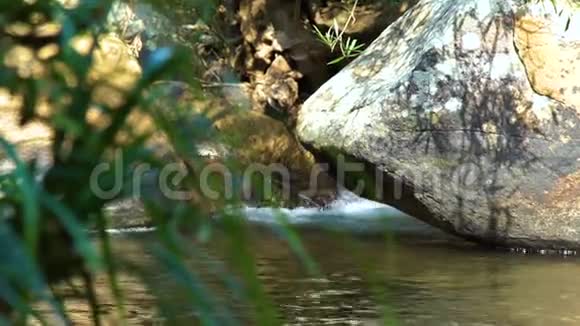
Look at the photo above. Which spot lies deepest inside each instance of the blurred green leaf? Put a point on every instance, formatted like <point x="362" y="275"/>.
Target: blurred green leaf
<point x="21" y="278"/>
<point x="27" y="188"/>
<point x="202" y="297"/>
<point x="77" y="230"/>
<point x="240" y="255"/>
<point x="293" y="239"/>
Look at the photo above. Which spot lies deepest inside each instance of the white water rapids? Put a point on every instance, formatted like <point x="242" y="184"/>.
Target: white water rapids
<point x="348" y="213"/>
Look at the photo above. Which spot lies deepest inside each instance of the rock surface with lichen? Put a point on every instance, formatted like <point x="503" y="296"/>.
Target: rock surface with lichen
<point x="465" y="117"/>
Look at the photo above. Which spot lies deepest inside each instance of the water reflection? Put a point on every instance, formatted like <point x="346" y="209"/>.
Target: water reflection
<point x="422" y="278"/>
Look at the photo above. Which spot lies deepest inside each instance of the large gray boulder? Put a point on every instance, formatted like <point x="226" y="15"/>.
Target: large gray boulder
<point x="452" y="115"/>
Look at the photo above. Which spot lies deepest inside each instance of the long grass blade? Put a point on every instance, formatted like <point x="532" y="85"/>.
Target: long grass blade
<point x="200" y="296"/>
<point x="29" y="196"/>
<point x="77" y="230"/>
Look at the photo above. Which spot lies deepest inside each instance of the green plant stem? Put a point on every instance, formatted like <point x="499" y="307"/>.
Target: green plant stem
<point x="92" y="297"/>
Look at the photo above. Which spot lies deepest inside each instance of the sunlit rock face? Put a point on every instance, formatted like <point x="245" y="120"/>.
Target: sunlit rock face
<point x="469" y="119"/>
<point x="548" y="42"/>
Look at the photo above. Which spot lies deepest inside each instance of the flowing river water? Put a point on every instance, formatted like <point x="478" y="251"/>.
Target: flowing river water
<point x="374" y="270"/>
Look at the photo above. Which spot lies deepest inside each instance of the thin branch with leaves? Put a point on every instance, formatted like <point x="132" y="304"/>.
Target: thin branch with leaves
<point x="335" y="37"/>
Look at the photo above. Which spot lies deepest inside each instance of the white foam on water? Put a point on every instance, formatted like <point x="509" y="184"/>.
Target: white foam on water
<point x="348" y="213"/>
<point x="348" y="202"/>
<point x="131" y="230"/>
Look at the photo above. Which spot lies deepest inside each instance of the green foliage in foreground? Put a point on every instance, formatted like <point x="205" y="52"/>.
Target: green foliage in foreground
<point x="45" y="218"/>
